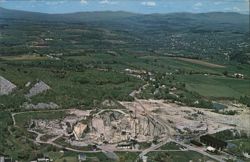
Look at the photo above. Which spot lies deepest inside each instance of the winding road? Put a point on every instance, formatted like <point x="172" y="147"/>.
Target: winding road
<point x="169" y="130"/>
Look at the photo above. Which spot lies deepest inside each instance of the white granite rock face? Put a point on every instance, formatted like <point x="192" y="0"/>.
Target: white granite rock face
<point x="40" y="106"/>
<point x="38" y="88"/>
<point x="6" y="87"/>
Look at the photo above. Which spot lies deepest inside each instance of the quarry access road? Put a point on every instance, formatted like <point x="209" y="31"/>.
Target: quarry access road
<point x="156" y="120"/>
<point x="169" y="130"/>
<point x="189" y="148"/>
<point x="117" y="110"/>
<point x="51" y="142"/>
<point x="39" y="135"/>
<point x="133" y="93"/>
<point x="153" y="148"/>
<point x="23" y="112"/>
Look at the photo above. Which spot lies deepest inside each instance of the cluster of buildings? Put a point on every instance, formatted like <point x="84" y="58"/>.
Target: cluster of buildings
<point x="5" y="159"/>
<point x="80" y="158"/>
<point x="238" y="75"/>
<point x="213" y="144"/>
<point x="44" y="159"/>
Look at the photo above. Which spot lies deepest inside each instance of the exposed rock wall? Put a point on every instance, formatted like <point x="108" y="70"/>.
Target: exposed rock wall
<point x="6" y="87"/>
<point x="38" y="88"/>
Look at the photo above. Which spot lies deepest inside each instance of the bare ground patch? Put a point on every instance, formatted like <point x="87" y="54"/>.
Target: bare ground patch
<point x="200" y="62"/>
<point x="24" y="57"/>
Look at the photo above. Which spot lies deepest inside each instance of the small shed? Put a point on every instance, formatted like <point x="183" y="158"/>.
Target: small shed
<point x="211" y="149"/>
<point x="1" y="159"/>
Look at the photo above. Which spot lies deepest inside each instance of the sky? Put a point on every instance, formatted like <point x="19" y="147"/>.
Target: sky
<point x="136" y="6"/>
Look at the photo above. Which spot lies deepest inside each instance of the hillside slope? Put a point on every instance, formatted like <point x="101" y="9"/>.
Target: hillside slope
<point x="211" y="35"/>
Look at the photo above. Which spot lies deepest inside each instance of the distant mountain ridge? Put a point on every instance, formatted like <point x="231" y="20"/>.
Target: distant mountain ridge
<point x="77" y="16"/>
<point x="114" y="15"/>
<point x="213" y="20"/>
<point x="204" y="34"/>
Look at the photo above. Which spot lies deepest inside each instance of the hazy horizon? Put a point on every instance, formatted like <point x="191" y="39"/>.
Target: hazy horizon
<point x="134" y="6"/>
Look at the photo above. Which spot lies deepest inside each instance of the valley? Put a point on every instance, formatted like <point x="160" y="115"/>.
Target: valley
<point x="119" y="86"/>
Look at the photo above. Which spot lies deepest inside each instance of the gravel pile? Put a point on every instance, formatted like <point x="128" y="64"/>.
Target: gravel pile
<point x="6" y="87"/>
<point x="38" y="88"/>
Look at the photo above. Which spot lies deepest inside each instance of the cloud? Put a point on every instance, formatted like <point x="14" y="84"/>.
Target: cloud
<point x="149" y="3"/>
<point x="237" y="9"/>
<point x="108" y="2"/>
<point x="83" y="1"/>
<point x="53" y="3"/>
<point x="217" y="3"/>
<point x="198" y="4"/>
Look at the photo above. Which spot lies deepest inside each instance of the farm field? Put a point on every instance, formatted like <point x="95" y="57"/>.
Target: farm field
<point x="180" y="156"/>
<point x="170" y="146"/>
<point x="73" y="157"/>
<point x="240" y="145"/>
<point x="195" y="61"/>
<point x="216" y="86"/>
<point x="98" y="74"/>
<point x="23" y="58"/>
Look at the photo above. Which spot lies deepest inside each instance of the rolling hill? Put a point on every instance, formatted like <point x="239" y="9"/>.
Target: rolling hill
<point x="211" y="35"/>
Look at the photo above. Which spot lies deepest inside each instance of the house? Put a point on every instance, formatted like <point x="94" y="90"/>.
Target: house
<point x="82" y="157"/>
<point x="144" y="158"/>
<point x="211" y="149"/>
<point x="125" y="145"/>
<point x="238" y="75"/>
<point x="5" y="159"/>
<point x="8" y="159"/>
<point x="1" y="159"/>
<point x="44" y="159"/>
<point x="246" y="155"/>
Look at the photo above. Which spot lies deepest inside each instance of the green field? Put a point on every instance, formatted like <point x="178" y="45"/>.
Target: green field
<point x="180" y="156"/>
<point x="196" y="81"/>
<point x="183" y="156"/>
<point x="24" y="118"/>
<point x="87" y="80"/>
<point x="216" y="86"/>
<point x="23" y="58"/>
<point x="241" y="146"/>
<point x="238" y="142"/>
<point x="93" y="157"/>
<point x="170" y="146"/>
<point x="127" y="156"/>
